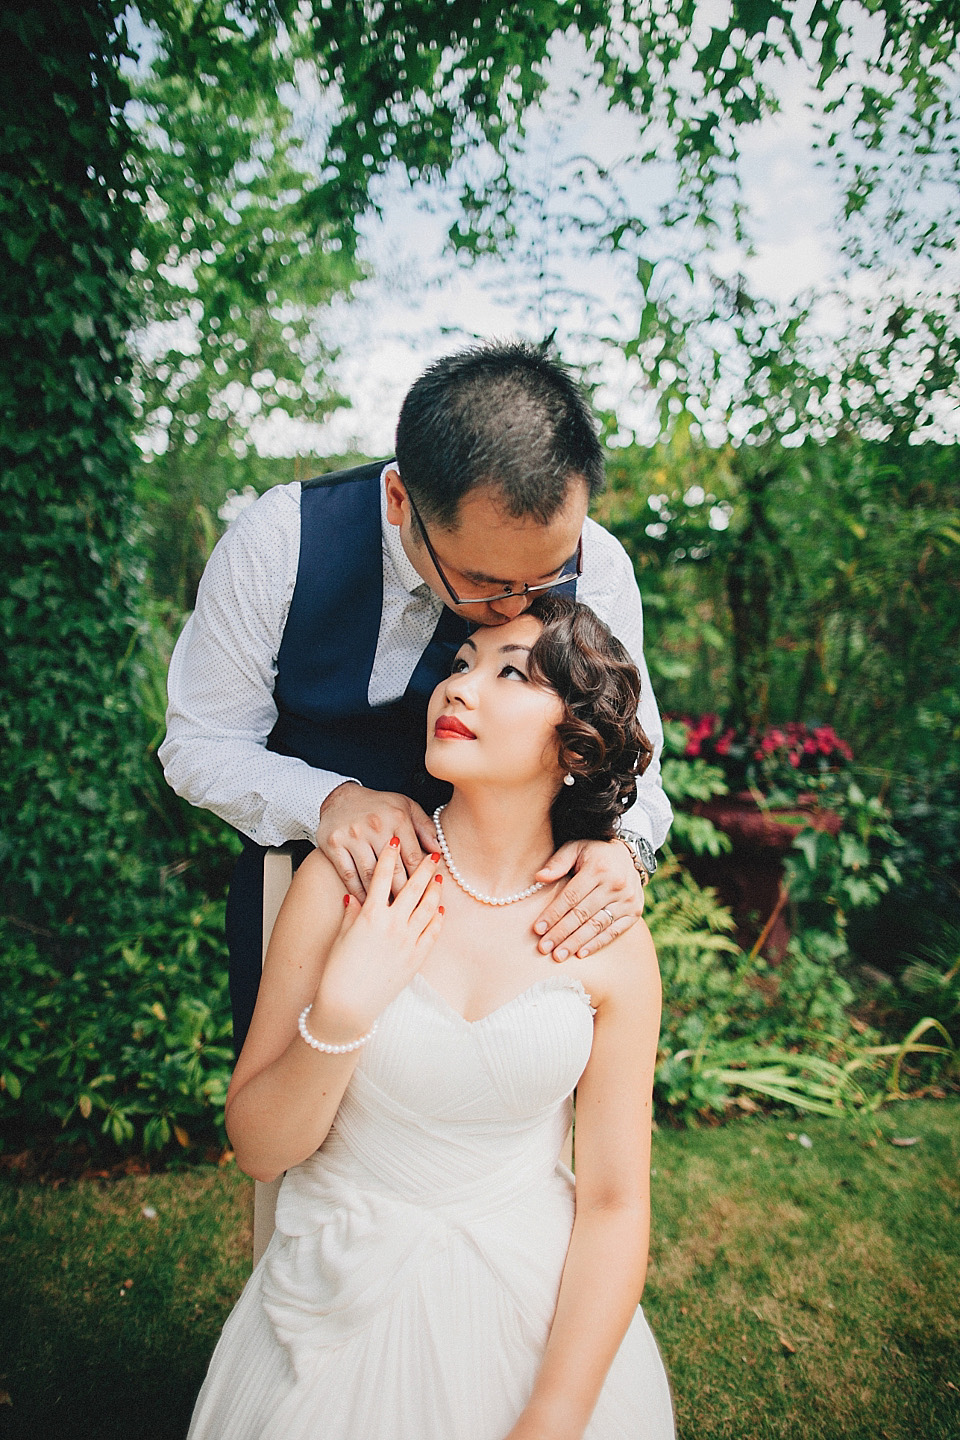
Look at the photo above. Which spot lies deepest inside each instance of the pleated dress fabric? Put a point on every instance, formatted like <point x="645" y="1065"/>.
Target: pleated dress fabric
<point x="409" y="1288"/>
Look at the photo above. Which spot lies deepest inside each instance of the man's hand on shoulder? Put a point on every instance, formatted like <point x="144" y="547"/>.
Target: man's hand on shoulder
<point x="601" y="901"/>
<point x="356" y="824"/>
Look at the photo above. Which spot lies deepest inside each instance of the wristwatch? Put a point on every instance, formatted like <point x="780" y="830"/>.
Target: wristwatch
<point x="642" y="853"/>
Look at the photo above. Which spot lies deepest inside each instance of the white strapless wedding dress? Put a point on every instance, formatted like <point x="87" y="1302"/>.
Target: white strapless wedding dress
<point x="409" y="1289"/>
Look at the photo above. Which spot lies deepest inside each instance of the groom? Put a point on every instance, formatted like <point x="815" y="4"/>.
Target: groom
<point x="331" y="609"/>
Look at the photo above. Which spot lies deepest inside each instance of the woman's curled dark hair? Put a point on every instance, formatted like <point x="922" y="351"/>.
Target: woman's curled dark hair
<point x="602" y="743"/>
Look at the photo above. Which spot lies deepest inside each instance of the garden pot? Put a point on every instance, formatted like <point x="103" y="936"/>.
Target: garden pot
<point x="749" y="878"/>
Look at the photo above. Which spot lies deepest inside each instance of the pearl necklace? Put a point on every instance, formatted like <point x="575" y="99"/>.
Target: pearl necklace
<point x="468" y="889"/>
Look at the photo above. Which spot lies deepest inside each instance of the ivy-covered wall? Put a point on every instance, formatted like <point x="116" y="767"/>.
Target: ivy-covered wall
<point x="70" y="827"/>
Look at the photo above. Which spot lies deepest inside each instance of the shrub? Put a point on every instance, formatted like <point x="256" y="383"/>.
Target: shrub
<point x="730" y="1020"/>
<point x="735" y="1030"/>
<point x="71" y="826"/>
<point x="128" y="1048"/>
<point x="924" y="798"/>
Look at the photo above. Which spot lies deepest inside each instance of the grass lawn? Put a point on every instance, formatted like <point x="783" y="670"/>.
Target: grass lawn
<point x="811" y="1292"/>
<point x="796" y="1290"/>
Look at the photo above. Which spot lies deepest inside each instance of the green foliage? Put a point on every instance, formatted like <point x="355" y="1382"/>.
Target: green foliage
<point x="71" y="840"/>
<point x="832" y="875"/>
<point x="932" y="985"/>
<point x="720" y="1002"/>
<point x="230" y="276"/>
<point x="862" y="631"/>
<point x="732" y="1024"/>
<point x="859" y="547"/>
<point x="687" y="780"/>
<point x="422" y="83"/>
<point x="443" y="91"/>
<point x="129" y="1048"/>
<point x="924" y="797"/>
<point x="738" y="1031"/>
<point x="924" y="1004"/>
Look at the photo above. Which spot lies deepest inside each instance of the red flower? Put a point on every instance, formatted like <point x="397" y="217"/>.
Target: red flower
<point x="789" y="743"/>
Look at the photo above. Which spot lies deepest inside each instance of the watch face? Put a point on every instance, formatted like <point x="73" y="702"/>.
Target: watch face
<point x="641" y="849"/>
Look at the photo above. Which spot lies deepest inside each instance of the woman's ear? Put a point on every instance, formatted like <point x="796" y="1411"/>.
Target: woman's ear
<point x="572" y="764"/>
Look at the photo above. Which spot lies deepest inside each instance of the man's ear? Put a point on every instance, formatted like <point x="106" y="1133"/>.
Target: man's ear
<point x="397" y="504"/>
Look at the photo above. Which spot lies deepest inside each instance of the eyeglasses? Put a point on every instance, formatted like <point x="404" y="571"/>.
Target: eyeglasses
<point x="571" y="571"/>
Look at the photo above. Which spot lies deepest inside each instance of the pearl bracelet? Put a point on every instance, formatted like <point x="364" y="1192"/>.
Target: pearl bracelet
<point x="316" y="1044"/>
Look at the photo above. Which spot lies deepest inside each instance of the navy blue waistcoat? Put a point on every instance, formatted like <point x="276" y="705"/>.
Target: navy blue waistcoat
<point x="330" y="642"/>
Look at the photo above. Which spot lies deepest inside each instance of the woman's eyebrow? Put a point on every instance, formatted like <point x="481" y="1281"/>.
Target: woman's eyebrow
<point x="507" y="649"/>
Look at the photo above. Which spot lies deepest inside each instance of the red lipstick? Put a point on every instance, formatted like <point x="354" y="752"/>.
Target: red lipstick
<point x="448" y="725"/>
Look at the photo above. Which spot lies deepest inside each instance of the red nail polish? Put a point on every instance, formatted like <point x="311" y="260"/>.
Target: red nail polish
<point x="439" y="909"/>
<point x="438" y="879"/>
<point x="395" y="841"/>
<point x="435" y="857"/>
<point x="346" y="899"/>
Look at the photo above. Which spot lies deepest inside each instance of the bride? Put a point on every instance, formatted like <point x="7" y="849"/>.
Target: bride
<point x="433" y="1274"/>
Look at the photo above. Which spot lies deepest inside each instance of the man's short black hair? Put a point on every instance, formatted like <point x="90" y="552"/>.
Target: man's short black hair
<point x="504" y="415"/>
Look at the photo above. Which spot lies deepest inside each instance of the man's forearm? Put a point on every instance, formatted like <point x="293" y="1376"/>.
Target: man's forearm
<point x="270" y="798"/>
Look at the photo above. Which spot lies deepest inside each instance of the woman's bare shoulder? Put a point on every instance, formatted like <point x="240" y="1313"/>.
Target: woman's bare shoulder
<point x="626" y="970"/>
<point x="314" y="903"/>
<point x="318" y="875"/>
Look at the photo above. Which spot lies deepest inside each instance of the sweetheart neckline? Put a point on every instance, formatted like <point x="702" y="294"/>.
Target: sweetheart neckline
<point x="558" y="981"/>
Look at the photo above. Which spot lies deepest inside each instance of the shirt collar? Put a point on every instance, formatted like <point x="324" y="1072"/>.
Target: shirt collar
<point x="407" y="576"/>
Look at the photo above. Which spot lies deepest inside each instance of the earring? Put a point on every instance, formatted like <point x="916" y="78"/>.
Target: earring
<point x="569" y="780"/>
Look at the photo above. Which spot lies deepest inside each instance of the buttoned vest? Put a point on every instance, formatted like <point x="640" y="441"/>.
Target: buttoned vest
<point x="329" y="646"/>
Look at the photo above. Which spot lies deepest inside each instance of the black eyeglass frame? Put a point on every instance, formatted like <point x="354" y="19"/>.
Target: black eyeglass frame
<point x="509" y="593"/>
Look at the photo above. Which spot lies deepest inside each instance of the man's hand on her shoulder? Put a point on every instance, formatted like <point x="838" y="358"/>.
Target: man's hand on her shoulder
<point x="602" y="899"/>
<point x="355" y="826"/>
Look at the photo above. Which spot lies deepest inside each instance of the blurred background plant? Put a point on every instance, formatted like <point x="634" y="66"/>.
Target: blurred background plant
<point x="783" y="763"/>
<point x="128" y="1049"/>
<point x="234" y="265"/>
<point x="739" y="1032"/>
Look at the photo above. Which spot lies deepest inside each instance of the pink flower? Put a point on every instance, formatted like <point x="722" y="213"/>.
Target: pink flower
<point x="826" y="739"/>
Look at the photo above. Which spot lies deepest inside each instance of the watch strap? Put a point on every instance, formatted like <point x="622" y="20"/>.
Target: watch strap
<point x="641" y="852"/>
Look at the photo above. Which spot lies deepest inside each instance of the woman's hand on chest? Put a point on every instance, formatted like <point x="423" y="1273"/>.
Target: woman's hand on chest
<point x="379" y="948"/>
